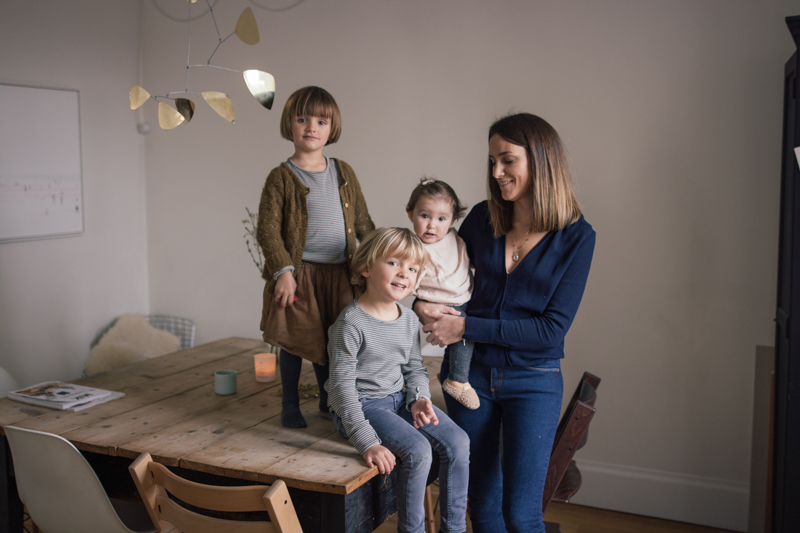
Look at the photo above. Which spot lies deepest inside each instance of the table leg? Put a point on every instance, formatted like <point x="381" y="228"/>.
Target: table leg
<point x="430" y="521"/>
<point x="10" y="504"/>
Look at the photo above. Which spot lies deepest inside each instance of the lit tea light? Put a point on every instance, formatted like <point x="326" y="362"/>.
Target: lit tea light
<point x="265" y="367"/>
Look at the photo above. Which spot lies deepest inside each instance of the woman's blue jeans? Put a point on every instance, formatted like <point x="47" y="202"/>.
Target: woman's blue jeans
<point x="414" y="450"/>
<point x="522" y="403"/>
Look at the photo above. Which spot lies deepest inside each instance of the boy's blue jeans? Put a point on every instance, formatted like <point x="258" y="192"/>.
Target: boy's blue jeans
<point x="414" y="449"/>
<point x="506" y="485"/>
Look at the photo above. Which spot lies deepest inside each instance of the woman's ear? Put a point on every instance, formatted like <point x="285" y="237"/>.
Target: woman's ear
<point x="365" y="273"/>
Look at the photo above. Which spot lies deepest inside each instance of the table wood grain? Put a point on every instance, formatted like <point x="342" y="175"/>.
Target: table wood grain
<point x="171" y="411"/>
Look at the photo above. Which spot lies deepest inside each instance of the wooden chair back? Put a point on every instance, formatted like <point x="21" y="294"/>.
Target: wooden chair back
<point x="585" y="392"/>
<point x="563" y="477"/>
<point x="156" y="483"/>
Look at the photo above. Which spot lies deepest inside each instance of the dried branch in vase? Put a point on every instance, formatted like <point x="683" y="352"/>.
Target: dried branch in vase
<point x="250" y="235"/>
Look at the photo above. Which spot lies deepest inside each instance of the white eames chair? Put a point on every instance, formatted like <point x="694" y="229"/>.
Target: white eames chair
<point x="58" y="486"/>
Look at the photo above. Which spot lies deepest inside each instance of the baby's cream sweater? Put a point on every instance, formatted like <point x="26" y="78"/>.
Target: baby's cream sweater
<point x="447" y="278"/>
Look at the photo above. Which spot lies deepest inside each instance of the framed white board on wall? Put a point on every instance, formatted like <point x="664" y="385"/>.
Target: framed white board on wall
<point x="41" y="180"/>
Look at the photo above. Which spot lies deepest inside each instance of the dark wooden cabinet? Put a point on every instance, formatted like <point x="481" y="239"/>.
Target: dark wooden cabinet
<point x="786" y="435"/>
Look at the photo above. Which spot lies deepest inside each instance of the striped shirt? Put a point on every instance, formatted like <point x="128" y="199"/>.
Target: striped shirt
<point x="325" y="237"/>
<point x="325" y="240"/>
<point x="370" y="359"/>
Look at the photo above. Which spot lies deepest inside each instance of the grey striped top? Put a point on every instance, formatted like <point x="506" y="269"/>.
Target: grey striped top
<point x="325" y="239"/>
<point x="369" y="359"/>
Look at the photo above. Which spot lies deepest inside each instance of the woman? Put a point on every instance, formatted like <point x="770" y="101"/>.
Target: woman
<point x="532" y="250"/>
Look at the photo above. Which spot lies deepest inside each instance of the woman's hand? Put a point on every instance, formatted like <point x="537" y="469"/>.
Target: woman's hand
<point x="446" y="328"/>
<point x="424" y="310"/>
<point x="381" y="457"/>
<point x="285" y="288"/>
<point x="423" y="413"/>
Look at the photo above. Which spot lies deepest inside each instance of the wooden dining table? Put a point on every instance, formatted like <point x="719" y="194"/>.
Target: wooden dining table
<point x="171" y="411"/>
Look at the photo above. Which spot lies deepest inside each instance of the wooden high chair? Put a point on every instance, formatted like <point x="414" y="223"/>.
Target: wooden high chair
<point x="154" y="480"/>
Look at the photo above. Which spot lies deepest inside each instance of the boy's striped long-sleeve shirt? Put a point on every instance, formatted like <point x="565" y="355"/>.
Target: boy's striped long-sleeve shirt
<point x="369" y="359"/>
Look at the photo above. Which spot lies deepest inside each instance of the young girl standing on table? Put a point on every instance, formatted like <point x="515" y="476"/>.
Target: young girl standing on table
<point x="310" y="215"/>
<point x="374" y="353"/>
<point x="433" y="208"/>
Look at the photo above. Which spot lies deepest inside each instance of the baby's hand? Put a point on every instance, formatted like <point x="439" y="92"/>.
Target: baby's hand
<point x="380" y="457"/>
<point x="429" y="312"/>
<point x="423" y="413"/>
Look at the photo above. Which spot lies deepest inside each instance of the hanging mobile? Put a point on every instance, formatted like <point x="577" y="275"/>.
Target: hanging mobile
<point x="260" y="84"/>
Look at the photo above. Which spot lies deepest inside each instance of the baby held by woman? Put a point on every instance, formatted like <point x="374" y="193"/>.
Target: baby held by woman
<point x="432" y="209"/>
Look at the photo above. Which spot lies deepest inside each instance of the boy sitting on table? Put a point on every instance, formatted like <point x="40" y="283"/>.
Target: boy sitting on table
<point x="374" y="352"/>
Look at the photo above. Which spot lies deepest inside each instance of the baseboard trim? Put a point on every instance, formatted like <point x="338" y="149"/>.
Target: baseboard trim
<point x="699" y="500"/>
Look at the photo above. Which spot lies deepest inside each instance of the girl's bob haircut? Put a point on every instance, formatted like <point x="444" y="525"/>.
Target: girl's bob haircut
<point x="386" y="242"/>
<point x="553" y="200"/>
<point x="311" y="101"/>
<point x="433" y="188"/>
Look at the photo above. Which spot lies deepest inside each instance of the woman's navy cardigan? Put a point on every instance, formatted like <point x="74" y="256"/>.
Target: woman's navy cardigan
<point x="520" y="319"/>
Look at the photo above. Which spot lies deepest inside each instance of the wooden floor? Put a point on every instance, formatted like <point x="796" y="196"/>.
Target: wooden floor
<point x="578" y="519"/>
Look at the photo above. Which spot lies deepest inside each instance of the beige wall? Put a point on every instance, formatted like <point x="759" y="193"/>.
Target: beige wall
<point x="671" y="112"/>
<point x="56" y="293"/>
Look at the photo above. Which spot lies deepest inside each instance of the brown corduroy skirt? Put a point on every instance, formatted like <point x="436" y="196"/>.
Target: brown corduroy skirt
<point x="302" y="329"/>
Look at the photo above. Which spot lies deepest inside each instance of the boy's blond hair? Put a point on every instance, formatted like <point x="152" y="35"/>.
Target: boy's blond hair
<point x="313" y="101"/>
<point x="386" y="242"/>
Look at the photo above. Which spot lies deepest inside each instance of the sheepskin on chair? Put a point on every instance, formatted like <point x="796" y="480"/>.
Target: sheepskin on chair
<point x="130" y="340"/>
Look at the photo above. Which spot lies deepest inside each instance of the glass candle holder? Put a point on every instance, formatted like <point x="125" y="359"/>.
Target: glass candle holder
<point x="265" y="367"/>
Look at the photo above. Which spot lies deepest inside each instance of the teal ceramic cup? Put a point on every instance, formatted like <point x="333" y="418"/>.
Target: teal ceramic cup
<point x="225" y="382"/>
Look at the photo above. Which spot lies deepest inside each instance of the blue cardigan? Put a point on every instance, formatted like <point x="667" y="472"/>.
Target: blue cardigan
<point x="520" y="319"/>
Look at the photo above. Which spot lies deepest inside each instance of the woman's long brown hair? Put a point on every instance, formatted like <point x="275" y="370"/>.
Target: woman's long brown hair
<point x="553" y="199"/>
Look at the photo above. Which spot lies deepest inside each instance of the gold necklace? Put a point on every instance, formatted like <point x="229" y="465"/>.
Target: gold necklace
<point x="515" y="249"/>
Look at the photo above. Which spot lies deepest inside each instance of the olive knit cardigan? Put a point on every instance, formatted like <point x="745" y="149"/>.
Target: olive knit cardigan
<point x="283" y="217"/>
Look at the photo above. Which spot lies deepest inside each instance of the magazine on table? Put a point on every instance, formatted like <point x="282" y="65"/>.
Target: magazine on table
<point x="63" y="396"/>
